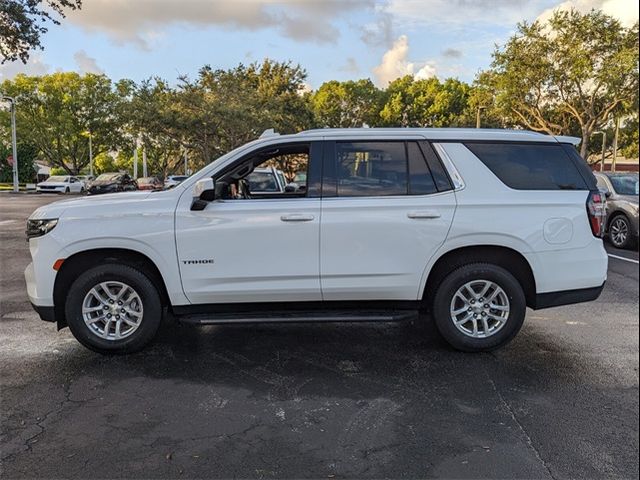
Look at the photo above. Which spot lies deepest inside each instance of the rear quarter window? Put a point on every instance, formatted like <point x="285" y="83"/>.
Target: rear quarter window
<point x="539" y="166"/>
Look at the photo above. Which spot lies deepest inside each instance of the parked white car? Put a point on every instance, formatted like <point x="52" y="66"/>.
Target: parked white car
<point x="174" y="180"/>
<point x="471" y="225"/>
<point x="61" y="184"/>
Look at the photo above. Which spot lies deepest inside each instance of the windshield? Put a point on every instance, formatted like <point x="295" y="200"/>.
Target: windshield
<point x="108" y="176"/>
<point x="57" y="178"/>
<point x="625" y="184"/>
<point x="262" y="182"/>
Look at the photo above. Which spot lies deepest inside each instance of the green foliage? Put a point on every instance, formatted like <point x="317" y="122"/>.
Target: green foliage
<point x="22" y="23"/>
<point x="568" y="75"/>
<point x="56" y="112"/>
<point x="426" y="103"/>
<point x="347" y="104"/>
<point x="26" y="168"/>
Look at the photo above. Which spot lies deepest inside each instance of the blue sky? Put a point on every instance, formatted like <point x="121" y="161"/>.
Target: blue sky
<point x="332" y="39"/>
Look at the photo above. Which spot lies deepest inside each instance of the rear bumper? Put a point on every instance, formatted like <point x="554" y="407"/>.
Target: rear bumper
<point x="566" y="297"/>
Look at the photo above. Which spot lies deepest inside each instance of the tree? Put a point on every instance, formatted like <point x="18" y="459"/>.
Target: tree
<point x="26" y="159"/>
<point x="218" y="111"/>
<point x="575" y="71"/>
<point x="425" y="103"/>
<point x="22" y="23"/>
<point x="347" y="104"/>
<point x="56" y="113"/>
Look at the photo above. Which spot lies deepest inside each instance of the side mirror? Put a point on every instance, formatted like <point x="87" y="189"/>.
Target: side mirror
<point x="203" y="192"/>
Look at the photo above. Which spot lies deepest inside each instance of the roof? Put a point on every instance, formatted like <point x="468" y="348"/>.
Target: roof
<point x="459" y="134"/>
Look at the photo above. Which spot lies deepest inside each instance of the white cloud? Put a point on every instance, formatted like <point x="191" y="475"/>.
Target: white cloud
<point x="394" y="64"/>
<point x="624" y="10"/>
<point x="132" y="21"/>
<point x="85" y="63"/>
<point x="35" y="66"/>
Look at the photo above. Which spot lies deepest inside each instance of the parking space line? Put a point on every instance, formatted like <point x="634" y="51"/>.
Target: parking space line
<point x="5" y="222"/>
<point x="624" y="258"/>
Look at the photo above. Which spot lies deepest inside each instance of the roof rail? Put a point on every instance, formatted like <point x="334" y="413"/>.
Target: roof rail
<point x="269" y="132"/>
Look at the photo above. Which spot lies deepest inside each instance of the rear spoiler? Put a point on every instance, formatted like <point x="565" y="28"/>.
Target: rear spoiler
<point x="564" y="139"/>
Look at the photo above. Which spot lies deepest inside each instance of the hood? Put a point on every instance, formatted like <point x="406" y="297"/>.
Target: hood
<point x="46" y="182"/>
<point x="102" y="183"/>
<point x="89" y="205"/>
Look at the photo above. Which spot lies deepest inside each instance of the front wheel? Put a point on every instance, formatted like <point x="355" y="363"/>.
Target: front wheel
<point x="113" y="308"/>
<point x="620" y="232"/>
<point x="479" y="307"/>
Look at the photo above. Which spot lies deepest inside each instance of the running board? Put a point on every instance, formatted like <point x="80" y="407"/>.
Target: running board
<point x="299" y="316"/>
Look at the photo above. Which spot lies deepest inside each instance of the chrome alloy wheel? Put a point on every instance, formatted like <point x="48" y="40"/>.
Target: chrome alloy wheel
<point x="480" y="308"/>
<point x="112" y="310"/>
<point x="619" y="231"/>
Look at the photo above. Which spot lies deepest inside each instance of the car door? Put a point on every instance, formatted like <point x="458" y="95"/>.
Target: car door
<point x="251" y="250"/>
<point x="74" y="185"/>
<point x="386" y="208"/>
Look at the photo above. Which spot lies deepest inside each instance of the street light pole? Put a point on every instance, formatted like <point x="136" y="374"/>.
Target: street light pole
<point x="90" y="155"/>
<point x="14" y="143"/>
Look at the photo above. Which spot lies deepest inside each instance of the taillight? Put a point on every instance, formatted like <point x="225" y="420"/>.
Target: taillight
<point x="596" y="210"/>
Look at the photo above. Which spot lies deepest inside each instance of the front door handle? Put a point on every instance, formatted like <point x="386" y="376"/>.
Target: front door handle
<point x="297" y="217"/>
<point x="423" y="214"/>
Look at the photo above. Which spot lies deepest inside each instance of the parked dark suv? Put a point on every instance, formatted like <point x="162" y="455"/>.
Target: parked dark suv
<point x="111" y="183"/>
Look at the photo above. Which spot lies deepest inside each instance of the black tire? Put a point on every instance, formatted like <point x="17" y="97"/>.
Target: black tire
<point x="151" y="316"/>
<point x="618" y="224"/>
<point x="66" y="190"/>
<point x="459" y="277"/>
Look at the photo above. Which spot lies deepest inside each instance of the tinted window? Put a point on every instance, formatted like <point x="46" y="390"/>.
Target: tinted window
<point x="530" y="166"/>
<point x="371" y="169"/>
<point x="625" y="184"/>
<point x="437" y="170"/>
<point x="582" y="166"/>
<point x="420" y="179"/>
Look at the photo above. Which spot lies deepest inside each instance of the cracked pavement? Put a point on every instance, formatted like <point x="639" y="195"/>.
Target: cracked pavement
<point x="332" y="401"/>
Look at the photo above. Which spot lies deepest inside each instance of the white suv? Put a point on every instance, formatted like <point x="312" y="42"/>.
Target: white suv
<point x="471" y="225"/>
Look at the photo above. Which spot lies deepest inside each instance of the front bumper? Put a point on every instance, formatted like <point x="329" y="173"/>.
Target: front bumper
<point x="46" y="313"/>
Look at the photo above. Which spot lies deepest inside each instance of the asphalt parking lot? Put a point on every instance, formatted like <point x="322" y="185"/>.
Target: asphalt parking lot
<point x="321" y="401"/>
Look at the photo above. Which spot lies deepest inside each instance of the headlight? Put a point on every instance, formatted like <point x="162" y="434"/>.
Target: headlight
<point x="37" y="228"/>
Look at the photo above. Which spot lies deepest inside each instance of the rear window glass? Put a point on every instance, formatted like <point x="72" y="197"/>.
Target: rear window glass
<point x="530" y="166"/>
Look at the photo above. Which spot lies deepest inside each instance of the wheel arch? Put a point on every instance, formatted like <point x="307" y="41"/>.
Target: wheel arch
<point x="505" y="257"/>
<point x="80" y="261"/>
<point x="616" y="213"/>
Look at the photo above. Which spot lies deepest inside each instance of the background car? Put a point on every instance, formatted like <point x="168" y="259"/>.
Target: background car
<point x="111" y="183"/>
<point x="266" y="180"/>
<point x="86" y="179"/>
<point x="60" y="184"/>
<point x="173" y="180"/>
<point x="149" y="183"/>
<point x="621" y="191"/>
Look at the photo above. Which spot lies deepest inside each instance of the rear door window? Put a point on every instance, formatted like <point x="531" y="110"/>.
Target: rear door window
<point x="371" y="169"/>
<point x="530" y="166"/>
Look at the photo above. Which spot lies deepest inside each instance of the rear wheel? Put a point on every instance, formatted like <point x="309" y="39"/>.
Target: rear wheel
<point x="620" y="232"/>
<point x="113" y="308"/>
<point x="479" y="307"/>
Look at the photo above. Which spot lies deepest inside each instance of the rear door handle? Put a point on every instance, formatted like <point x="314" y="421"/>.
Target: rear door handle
<point x="297" y="217"/>
<point x="423" y="214"/>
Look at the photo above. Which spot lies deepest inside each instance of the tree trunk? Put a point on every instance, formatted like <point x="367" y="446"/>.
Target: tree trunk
<point x="584" y="146"/>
